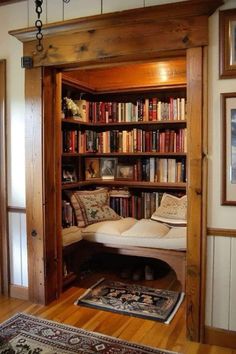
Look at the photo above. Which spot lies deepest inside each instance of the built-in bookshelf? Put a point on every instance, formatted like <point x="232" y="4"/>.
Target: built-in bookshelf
<point x="134" y="146"/>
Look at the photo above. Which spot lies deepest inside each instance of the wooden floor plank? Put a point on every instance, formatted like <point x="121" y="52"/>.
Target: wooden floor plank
<point x="134" y="329"/>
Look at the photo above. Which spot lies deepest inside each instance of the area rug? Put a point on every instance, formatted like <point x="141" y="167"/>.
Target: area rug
<point x="25" y="334"/>
<point x="132" y="299"/>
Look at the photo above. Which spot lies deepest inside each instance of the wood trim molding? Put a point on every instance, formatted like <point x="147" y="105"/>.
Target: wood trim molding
<point x="4" y="271"/>
<point x="191" y="8"/>
<point x="7" y="2"/>
<point x="221" y="232"/>
<point x="14" y="209"/>
<point x="221" y="337"/>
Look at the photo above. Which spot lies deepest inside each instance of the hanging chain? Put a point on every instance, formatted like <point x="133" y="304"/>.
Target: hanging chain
<point x="38" y="24"/>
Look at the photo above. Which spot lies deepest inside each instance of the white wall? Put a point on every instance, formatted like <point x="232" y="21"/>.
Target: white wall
<point x="220" y="275"/>
<point x="221" y="261"/>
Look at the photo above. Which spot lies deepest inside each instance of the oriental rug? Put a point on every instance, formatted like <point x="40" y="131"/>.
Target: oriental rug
<point x="25" y="334"/>
<point x="131" y="299"/>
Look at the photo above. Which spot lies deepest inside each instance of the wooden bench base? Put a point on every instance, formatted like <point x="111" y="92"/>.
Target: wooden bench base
<point x="175" y="259"/>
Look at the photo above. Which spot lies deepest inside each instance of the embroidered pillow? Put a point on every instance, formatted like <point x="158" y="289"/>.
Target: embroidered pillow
<point x="92" y="207"/>
<point x="172" y="210"/>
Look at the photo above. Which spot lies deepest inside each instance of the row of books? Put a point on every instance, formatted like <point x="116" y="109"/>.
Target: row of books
<point x="160" y="170"/>
<point x="139" y="206"/>
<point x="144" y="109"/>
<point x="151" y="169"/>
<point x="125" y="141"/>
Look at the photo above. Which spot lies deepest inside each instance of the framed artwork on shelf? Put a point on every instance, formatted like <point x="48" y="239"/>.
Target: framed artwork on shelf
<point x="92" y="168"/>
<point x="69" y="174"/>
<point x="108" y="167"/>
<point x="124" y="172"/>
<point x="228" y="101"/>
<point x="227" y="28"/>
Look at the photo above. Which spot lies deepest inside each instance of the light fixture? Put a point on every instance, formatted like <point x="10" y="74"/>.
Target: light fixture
<point x="39" y="24"/>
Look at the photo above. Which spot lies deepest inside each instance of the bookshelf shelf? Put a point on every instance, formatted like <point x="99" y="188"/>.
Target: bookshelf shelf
<point x="130" y="184"/>
<point x="155" y="154"/>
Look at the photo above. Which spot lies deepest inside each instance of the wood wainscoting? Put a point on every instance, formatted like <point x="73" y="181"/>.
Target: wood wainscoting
<point x="220" y="314"/>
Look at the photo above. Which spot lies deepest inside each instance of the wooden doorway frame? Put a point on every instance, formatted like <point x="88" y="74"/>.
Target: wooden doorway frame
<point x="4" y="270"/>
<point x="65" y="43"/>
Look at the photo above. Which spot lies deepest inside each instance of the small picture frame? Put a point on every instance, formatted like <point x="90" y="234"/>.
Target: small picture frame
<point x="124" y="172"/>
<point x="69" y="174"/>
<point x="227" y="35"/>
<point x="228" y="102"/>
<point x="108" y="168"/>
<point x="92" y="168"/>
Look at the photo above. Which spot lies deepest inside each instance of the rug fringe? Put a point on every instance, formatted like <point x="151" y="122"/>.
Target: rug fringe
<point x="88" y="290"/>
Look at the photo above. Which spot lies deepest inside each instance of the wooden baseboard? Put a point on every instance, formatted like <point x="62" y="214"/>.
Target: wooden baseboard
<point x="19" y="292"/>
<point x="220" y="337"/>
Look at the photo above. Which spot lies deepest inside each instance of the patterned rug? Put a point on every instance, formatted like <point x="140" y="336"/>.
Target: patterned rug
<point x="24" y="334"/>
<point x="134" y="300"/>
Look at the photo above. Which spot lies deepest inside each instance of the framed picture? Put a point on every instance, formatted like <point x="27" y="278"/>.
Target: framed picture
<point x="108" y="168"/>
<point x="227" y="43"/>
<point x="125" y="172"/>
<point x="92" y="168"/>
<point x="69" y="174"/>
<point x="228" y="101"/>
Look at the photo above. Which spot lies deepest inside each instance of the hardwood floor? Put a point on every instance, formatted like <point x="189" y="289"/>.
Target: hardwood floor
<point x="171" y="337"/>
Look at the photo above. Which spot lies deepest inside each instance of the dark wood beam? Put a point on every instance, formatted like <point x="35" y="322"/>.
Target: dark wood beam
<point x="6" y="2"/>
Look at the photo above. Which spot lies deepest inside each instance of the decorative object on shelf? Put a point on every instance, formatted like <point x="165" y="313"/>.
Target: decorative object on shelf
<point x="68" y="174"/>
<point x="227" y="43"/>
<point x="228" y="101"/>
<point x="124" y="171"/>
<point x="108" y="168"/>
<point x="39" y="24"/>
<point x="92" y="168"/>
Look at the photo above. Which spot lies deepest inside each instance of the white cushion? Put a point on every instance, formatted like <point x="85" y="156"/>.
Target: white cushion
<point x="147" y="228"/>
<point x="112" y="228"/>
<point x="172" y="210"/>
<point x="71" y="235"/>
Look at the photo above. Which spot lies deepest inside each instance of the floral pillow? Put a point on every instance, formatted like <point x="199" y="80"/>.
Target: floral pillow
<point x="92" y="207"/>
<point x="172" y="210"/>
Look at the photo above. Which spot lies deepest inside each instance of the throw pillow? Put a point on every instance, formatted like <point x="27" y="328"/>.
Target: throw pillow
<point x="172" y="210"/>
<point x="92" y="207"/>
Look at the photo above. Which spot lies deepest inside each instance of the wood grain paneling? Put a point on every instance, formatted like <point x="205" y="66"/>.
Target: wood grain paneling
<point x="194" y="189"/>
<point x="209" y="281"/>
<point x="4" y="274"/>
<point x="168" y="72"/>
<point x="221" y="232"/>
<point x="34" y="185"/>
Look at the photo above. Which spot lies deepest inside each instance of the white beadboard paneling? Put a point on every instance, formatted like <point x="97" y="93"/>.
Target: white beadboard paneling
<point x="24" y="257"/>
<point x="32" y="15"/>
<point x="81" y="8"/>
<point x="54" y="10"/>
<point x="120" y="5"/>
<point x="15" y="248"/>
<point x="18" y="249"/>
<point x="209" y="280"/>
<point x="232" y="308"/>
<point x="221" y="283"/>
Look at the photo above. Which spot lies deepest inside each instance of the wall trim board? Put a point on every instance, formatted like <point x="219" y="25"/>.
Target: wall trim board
<point x="220" y="337"/>
<point x="221" y="232"/>
<point x="19" y="292"/>
<point x="14" y="209"/>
